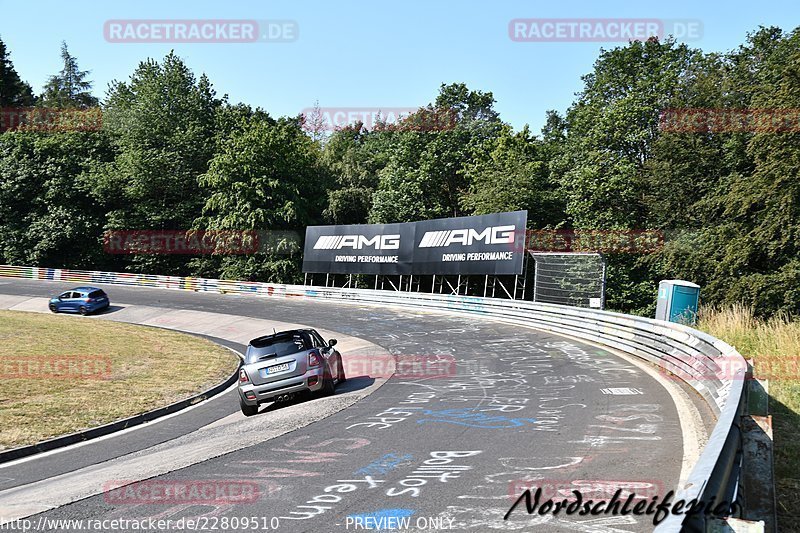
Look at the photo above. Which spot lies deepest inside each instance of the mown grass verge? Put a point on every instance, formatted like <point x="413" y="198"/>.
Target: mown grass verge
<point x="60" y="374"/>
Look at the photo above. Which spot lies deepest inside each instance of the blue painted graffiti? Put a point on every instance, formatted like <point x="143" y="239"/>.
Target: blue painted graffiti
<point x="385" y="464"/>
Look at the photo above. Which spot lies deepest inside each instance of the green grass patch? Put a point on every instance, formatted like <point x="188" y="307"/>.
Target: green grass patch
<point x="774" y="345"/>
<point x="62" y="374"/>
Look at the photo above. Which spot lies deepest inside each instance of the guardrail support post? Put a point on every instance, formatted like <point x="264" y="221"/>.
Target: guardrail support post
<point x="757" y="443"/>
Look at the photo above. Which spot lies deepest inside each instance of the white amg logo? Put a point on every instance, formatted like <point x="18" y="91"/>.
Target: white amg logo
<point x="465" y="237"/>
<point x="357" y="242"/>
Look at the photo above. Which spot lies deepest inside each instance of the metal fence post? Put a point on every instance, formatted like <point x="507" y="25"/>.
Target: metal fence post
<point x="603" y="285"/>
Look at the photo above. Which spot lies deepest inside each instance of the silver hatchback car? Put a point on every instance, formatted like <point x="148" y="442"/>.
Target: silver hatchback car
<point x="278" y="366"/>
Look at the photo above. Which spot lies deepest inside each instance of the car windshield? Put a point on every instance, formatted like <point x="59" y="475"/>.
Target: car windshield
<point x="274" y="346"/>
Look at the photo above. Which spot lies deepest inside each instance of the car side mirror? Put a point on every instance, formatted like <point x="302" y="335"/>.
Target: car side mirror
<point x="332" y="342"/>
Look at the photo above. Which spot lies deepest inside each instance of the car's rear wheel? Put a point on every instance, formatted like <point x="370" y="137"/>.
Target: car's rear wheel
<point x="83" y="311"/>
<point x="328" y="386"/>
<point x="53" y="308"/>
<point x="248" y="410"/>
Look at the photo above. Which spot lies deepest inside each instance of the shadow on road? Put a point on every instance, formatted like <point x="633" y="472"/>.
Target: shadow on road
<point x="351" y="385"/>
<point x="109" y="310"/>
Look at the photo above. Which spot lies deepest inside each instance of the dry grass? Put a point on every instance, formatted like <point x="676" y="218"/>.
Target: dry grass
<point x="123" y="370"/>
<point x="774" y="345"/>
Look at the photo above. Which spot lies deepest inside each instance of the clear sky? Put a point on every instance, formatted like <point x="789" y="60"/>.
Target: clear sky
<point x="366" y="54"/>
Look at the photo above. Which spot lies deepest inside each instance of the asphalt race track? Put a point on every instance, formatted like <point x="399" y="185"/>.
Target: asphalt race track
<point x="450" y="452"/>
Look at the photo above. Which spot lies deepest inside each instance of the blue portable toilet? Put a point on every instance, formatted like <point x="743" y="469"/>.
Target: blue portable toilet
<point x="677" y="301"/>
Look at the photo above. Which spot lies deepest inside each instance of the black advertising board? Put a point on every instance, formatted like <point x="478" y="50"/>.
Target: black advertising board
<point x="359" y="249"/>
<point x="485" y="244"/>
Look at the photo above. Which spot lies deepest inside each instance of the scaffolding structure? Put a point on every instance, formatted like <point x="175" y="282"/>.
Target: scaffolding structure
<point x="511" y="287"/>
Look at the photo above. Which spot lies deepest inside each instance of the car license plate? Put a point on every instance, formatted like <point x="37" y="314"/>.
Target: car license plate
<point x="277" y="368"/>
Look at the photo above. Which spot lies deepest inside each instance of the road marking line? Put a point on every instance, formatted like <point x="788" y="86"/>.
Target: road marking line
<point x="621" y="391"/>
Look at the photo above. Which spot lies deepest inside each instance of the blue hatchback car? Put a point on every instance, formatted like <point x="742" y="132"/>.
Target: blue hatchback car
<point x="83" y="300"/>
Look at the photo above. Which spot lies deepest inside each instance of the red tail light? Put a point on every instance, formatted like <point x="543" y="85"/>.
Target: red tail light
<point x="243" y="376"/>
<point x="314" y="360"/>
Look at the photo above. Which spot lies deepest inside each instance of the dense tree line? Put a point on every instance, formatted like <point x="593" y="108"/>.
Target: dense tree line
<point x="171" y="154"/>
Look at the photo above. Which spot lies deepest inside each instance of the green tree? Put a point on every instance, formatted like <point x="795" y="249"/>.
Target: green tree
<point x="730" y="197"/>
<point x="163" y="122"/>
<point x="611" y="130"/>
<point x="267" y="176"/>
<point x="47" y="214"/>
<point x="516" y="176"/>
<point x="763" y="259"/>
<point x="69" y="88"/>
<point x="355" y="157"/>
<point x="426" y="173"/>
<point x="13" y="91"/>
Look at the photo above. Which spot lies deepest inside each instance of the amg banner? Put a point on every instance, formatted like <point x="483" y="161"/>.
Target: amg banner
<point x="486" y="244"/>
<point x="359" y="249"/>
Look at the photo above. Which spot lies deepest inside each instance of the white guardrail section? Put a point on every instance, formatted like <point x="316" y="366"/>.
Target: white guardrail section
<point x="711" y="367"/>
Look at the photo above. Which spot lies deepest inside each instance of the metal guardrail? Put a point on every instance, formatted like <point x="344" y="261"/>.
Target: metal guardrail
<point x="711" y="367"/>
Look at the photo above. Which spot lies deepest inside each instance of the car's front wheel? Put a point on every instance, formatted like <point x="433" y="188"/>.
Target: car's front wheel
<point x="53" y="308"/>
<point x="248" y="410"/>
<point x="342" y="376"/>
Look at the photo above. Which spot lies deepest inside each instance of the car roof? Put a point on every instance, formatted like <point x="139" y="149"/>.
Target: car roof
<point x="85" y="289"/>
<point x="279" y="334"/>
